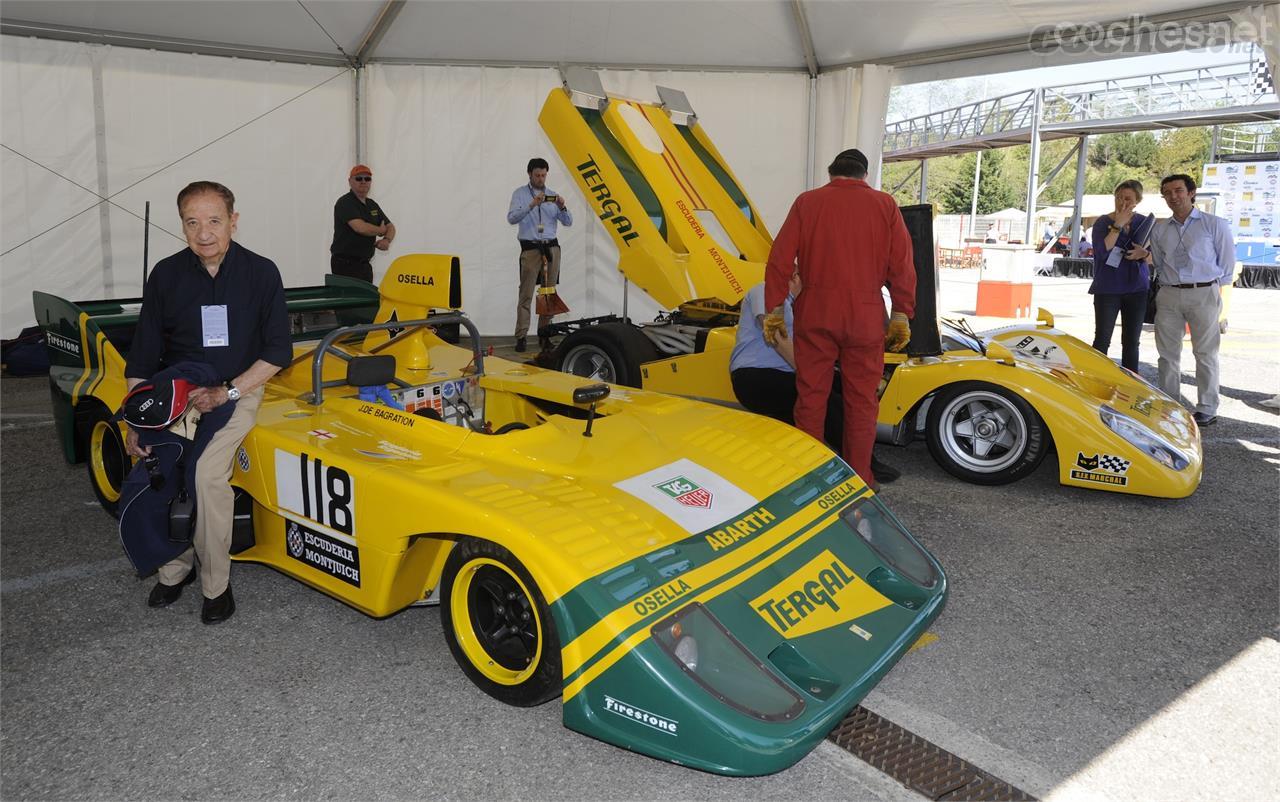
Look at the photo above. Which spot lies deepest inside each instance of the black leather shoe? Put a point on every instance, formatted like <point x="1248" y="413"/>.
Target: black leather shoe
<point x="163" y="595"/>
<point x="521" y="345"/>
<point x="1202" y="420"/>
<point x="219" y="609"/>
<point x="884" y="473"/>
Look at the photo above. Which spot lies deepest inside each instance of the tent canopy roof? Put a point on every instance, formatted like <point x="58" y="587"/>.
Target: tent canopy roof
<point x="702" y="34"/>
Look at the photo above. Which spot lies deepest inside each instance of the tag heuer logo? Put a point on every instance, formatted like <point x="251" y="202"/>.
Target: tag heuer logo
<point x="686" y="492"/>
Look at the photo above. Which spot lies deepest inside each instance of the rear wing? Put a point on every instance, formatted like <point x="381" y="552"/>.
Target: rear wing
<point x="87" y="341"/>
<point x="685" y="229"/>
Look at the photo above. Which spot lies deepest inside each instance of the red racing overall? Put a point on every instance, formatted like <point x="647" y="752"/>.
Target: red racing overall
<point x="847" y="241"/>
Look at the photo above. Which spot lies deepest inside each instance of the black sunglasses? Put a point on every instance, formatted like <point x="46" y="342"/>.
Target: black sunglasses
<point x="363" y="178"/>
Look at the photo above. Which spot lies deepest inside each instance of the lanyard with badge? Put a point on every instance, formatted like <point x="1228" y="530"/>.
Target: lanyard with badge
<point x="215" y="331"/>
<point x="1182" y="247"/>
<point x="537" y="210"/>
<point x="1117" y="253"/>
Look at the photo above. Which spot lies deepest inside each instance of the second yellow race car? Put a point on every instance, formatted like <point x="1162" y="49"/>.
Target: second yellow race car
<point x="992" y="405"/>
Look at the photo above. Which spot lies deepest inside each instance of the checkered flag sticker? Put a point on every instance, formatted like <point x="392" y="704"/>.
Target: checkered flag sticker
<point x="1113" y="464"/>
<point x="1262" y="83"/>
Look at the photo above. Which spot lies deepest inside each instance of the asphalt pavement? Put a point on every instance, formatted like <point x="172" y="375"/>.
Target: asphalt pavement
<point x="1095" y="645"/>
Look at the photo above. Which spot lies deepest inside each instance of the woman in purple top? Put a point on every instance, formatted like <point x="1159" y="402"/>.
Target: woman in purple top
<point x="1120" y="274"/>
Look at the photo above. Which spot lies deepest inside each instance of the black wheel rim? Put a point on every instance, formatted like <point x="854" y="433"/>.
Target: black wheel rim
<point x="502" y="618"/>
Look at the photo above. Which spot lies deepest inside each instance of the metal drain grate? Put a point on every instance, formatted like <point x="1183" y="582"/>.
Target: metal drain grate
<point x="921" y="766"/>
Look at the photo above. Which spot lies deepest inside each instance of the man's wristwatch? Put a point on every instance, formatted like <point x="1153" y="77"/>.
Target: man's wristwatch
<point x="232" y="393"/>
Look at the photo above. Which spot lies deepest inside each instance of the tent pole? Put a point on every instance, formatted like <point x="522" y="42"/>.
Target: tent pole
<point x="100" y="157"/>
<point x="357" y="74"/>
<point x="1033" y="167"/>
<point x="811" y="142"/>
<point x="1081" y="162"/>
<point x="973" y="204"/>
<point x="924" y="181"/>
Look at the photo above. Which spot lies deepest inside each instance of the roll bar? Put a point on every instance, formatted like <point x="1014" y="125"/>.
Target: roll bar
<point x="326" y="347"/>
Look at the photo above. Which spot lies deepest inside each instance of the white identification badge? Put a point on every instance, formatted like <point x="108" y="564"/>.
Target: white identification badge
<point x="1113" y="258"/>
<point x="213" y="321"/>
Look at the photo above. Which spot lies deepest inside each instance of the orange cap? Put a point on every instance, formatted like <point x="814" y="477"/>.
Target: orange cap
<point x="360" y="169"/>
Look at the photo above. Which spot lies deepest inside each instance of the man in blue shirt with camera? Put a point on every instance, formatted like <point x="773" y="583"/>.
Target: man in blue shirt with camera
<point x="537" y="211"/>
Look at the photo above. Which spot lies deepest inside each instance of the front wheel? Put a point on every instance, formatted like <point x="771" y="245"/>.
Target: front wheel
<point x="985" y="434"/>
<point x="498" y="626"/>
<point x="106" y="460"/>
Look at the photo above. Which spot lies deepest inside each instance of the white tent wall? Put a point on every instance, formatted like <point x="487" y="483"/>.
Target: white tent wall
<point x="48" y="115"/>
<point x="157" y="108"/>
<point x="852" y="103"/>
<point x="448" y="145"/>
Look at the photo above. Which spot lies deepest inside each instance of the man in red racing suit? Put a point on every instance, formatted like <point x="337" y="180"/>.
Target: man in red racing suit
<point x="847" y="241"/>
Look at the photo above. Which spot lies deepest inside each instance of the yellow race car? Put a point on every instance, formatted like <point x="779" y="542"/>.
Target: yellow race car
<point x="698" y="584"/>
<point x="991" y="405"/>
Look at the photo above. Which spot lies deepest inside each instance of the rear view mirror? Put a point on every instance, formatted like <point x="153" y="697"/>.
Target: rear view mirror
<point x="590" y="393"/>
<point x="363" y="371"/>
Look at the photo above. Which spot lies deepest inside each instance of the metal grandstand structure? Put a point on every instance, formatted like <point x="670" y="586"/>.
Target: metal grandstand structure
<point x="1232" y="98"/>
<point x="1203" y="96"/>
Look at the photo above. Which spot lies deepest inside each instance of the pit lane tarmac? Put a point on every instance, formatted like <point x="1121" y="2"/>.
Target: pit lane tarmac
<point x="1094" y="646"/>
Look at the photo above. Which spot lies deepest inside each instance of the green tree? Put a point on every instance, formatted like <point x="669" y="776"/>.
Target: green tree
<point x="1184" y="150"/>
<point x="1137" y="149"/>
<point x="994" y="190"/>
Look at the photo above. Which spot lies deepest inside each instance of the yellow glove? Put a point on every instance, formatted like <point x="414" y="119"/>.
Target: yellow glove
<point x="899" y="333"/>
<point x="774" y="326"/>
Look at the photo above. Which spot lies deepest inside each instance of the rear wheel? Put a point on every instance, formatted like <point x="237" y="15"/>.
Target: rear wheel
<point x="106" y="460"/>
<point x="607" y="352"/>
<point x="498" y="626"/>
<point x="985" y="434"/>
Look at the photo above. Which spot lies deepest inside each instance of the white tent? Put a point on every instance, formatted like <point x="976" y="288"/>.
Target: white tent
<point x="130" y="101"/>
<point x="1094" y="206"/>
<point x="1008" y="214"/>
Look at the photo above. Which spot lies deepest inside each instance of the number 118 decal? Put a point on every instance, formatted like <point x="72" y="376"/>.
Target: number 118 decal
<point x="322" y="493"/>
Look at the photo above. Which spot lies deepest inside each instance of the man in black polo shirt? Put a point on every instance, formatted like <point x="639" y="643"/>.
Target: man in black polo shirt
<point x="219" y="303"/>
<point x="359" y="226"/>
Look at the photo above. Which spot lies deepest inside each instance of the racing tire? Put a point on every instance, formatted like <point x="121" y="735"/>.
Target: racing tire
<point x="498" y="626"/>
<point x="607" y="352"/>
<point x="985" y="434"/>
<point x="105" y="459"/>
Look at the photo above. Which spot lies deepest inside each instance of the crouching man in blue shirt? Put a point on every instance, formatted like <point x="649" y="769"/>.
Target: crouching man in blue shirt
<point x="215" y="302"/>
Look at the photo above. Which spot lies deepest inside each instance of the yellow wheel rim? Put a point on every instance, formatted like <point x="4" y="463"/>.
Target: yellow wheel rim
<point x="496" y="621"/>
<point x="103" y="465"/>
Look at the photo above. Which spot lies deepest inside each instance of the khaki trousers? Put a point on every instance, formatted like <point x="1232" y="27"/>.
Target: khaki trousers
<point x="215" y="504"/>
<point x="530" y="273"/>
<point x="1199" y="309"/>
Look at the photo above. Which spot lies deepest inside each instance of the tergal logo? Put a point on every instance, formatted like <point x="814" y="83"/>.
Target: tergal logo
<point x="687" y="492"/>
<point x="822" y="593"/>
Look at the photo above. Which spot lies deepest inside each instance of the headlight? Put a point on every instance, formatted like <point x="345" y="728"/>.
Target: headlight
<point x="705" y="651"/>
<point x="888" y="539"/>
<point x="1143" y="438"/>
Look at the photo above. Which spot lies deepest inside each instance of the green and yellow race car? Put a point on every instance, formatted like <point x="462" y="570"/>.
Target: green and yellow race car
<point x="697" y="583"/>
